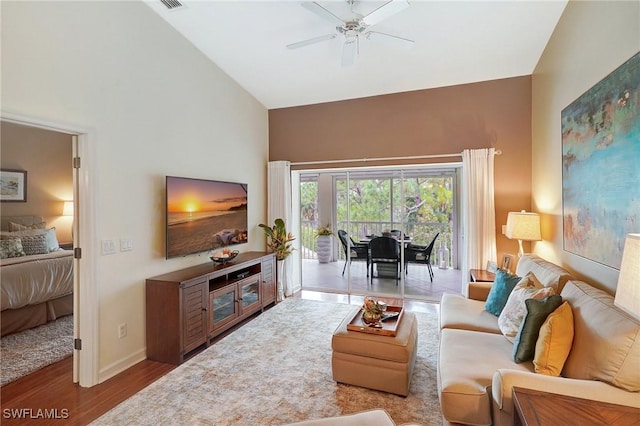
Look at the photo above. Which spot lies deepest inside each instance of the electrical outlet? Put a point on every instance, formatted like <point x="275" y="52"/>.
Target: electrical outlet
<point x="122" y="330"/>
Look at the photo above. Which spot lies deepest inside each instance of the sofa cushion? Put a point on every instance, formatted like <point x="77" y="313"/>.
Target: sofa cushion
<point x="378" y="417"/>
<point x="606" y="341"/>
<point x="500" y="291"/>
<point x="549" y="274"/>
<point x="554" y="341"/>
<point x="513" y="313"/>
<point x="524" y="345"/>
<point x="466" y="314"/>
<point x="466" y="363"/>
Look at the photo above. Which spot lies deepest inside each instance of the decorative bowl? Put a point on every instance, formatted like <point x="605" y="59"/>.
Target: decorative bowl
<point x="219" y="258"/>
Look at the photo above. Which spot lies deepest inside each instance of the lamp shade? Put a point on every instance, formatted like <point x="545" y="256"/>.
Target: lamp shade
<point x="67" y="208"/>
<point x="628" y="290"/>
<point x="523" y="226"/>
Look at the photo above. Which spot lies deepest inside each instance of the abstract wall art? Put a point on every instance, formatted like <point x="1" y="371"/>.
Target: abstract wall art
<point x="601" y="166"/>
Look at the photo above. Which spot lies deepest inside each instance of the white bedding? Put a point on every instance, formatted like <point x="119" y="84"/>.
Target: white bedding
<point x="29" y="280"/>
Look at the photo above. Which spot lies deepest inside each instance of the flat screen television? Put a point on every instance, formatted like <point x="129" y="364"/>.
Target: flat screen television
<point x="204" y="215"/>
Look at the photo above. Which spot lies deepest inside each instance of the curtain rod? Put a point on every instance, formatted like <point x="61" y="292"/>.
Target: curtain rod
<point x="415" y="157"/>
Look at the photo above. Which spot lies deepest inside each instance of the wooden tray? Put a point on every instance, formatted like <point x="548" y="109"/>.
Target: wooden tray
<point x="388" y="328"/>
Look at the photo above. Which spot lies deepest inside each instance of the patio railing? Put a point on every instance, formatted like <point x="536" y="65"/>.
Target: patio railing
<point x="420" y="233"/>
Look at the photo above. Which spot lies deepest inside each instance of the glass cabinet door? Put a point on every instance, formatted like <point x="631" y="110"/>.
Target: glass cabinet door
<point x="249" y="294"/>
<point x="223" y="307"/>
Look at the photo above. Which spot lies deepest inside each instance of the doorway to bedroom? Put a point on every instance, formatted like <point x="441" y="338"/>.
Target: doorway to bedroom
<point x="43" y="156"/>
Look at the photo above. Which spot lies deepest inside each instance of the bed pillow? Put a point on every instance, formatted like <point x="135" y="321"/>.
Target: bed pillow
<point x="524" y="345"/>
<point x="500" y="291"/>
<point x="13" y="227"/>
<point x="50" y="234"/>
<point x="35" y="244"/>
<point x="514" y="310"/>
<point x="52" y="239"/>
<point x="19" y="234"/>
<point x="11" y="248"/>
<point x="554" y="341"/>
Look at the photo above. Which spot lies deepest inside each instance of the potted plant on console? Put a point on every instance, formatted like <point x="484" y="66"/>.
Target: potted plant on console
<point x="325" y="244"/>
<point x="279" y="241"/>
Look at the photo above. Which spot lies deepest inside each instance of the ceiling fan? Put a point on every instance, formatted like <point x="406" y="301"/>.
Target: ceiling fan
<point x="353" y="28"/>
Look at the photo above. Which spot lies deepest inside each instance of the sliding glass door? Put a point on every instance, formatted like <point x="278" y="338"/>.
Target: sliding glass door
<point x="410" y="206"/>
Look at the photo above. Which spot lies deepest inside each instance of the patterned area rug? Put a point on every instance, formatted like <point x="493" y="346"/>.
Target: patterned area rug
<point x="27" y="351"/>
<point x="276" y="369"/>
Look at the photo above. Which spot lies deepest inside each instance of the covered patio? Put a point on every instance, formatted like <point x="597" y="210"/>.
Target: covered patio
<point x="327" y="277"/>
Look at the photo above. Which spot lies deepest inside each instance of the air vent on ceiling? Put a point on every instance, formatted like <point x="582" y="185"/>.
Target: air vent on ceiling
<point x="171" y="4"/>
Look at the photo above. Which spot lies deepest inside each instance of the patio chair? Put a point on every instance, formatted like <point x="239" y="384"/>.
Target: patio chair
<point x="359" y="251"/>
<point x="420" y="254"/>
<point x="385" y="250"/>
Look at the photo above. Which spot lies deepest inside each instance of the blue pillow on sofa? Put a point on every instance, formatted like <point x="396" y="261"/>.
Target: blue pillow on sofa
<point x="500" y="291"/>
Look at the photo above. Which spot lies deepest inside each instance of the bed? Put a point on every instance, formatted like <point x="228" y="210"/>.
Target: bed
<point x="36" y="288"/>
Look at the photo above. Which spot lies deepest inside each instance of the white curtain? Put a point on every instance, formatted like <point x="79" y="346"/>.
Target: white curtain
<point x="279" y="206"/>
<point x="479" y="216"/>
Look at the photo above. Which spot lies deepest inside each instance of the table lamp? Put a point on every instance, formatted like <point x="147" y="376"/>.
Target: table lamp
<point x="67" y="208"/>
<point x="628" y="290"/>
<point x="523" y="226"/>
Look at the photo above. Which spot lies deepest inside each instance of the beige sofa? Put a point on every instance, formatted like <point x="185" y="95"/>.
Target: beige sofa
<point x="476" y="372"/>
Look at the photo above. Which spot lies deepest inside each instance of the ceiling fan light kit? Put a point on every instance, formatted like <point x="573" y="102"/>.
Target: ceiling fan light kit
<point x="351" y="29"/>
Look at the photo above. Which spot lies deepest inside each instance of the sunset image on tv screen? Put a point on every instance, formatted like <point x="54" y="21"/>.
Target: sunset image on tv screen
<point x="204" y="215"/>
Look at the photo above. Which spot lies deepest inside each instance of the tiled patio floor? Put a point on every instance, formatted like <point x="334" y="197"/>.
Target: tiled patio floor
<point x="327" y="277"/>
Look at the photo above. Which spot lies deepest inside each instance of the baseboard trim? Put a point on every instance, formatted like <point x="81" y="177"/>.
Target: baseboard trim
<point x="119" y="366"/>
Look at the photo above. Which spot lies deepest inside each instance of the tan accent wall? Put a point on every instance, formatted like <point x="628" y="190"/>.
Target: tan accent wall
<point x="591" y="40"/>
<point x="46" y="157"/>
<point x="435" y="121"/>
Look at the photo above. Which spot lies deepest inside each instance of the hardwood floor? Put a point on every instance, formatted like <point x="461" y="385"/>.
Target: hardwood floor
<point x="48" y="397"/>
<point x="51" y="393"/>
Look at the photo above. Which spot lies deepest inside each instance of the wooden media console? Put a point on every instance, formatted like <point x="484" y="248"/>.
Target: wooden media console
<point x="187" y="308"/>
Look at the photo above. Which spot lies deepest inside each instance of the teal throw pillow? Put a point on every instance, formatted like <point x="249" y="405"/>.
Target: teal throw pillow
<point x="500" y="291"/>
<point x="524" y="345"/>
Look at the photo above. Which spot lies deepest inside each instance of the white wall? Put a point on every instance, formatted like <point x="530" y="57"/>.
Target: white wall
<point x="591" y="40"/>
<point x="154" y="106"/>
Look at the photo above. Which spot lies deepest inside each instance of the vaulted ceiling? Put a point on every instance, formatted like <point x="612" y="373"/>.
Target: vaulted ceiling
<point x="455" y="42"/>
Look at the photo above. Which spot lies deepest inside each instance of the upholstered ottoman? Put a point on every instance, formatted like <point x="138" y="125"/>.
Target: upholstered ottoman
<point x="373" y="361"/>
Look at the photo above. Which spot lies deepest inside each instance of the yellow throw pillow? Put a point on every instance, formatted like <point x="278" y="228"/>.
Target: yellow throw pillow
<point x="554" y="341"/>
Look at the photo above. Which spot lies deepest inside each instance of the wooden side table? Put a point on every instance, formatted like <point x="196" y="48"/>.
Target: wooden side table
<point x="482" y="275"/>
<point x="537" y="408"/>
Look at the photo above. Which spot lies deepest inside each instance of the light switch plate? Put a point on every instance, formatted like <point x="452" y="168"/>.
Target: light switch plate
<point x="126" y="244"/>
<point x="108" y="247"/>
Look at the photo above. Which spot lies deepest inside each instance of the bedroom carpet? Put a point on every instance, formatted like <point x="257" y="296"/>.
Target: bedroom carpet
<point x="274" y="370"/>
<point x="27" y="351"/>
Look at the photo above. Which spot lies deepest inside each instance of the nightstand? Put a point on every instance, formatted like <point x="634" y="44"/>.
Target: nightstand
<point x="68" y="245"/>
<point x="537" y="408"/>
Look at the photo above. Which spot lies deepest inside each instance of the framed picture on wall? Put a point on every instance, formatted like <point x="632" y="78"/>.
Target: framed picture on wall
<point x="13" y="185"/>
<point x="507" y="260"/>
<point x="600" y="173"/>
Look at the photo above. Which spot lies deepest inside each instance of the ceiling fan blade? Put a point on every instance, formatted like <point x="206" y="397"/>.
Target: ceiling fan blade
<point x="389" y="39"/>
<point x="385" y="11"/>
<point x="349" y="51"/>
<point x="311" y="41"/>
<point x="323" y="13"/>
